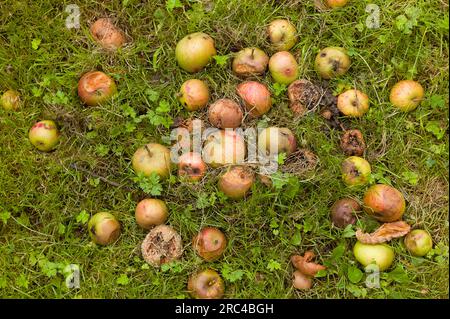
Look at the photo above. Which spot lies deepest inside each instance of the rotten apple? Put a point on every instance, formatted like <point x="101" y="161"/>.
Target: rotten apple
<point x="343" y="212"/>
<point x="332" y="62"/>
<point x="194" y="94"/>
<point x="44" y="135"/>
<point x="107" y="34"/>
<point x="353" y="103"/>
<point x="209" y="243"/>
<point x="10" y="100"/>
<point x="224" y="147"/>
<point x="384" y="203"/>
<point x="95" y="88"/>
<point x="283" y="67"/>
<point x="191" y="167"/>
<point x="381" y="255"/>
<point x="225" y="113"/>
<point x="151" y="212"/>
<point x="276" y="140"/>
<point x="195" y="51"/>
<point x="282" y="35"/>
<point x="236" y="182"/>
<point x="352" y="143"/>
<point x="355" y="171"/>
<point x="152" y="158"/>
<point x="206" y="284"/>
<point x="104" y="229"/>
<point x="256" y="97"/>
<point x="250" y="61"/>
<point x="406" y="95"/>
<point x="162" y="245"/>
<point x="418" y="242"/>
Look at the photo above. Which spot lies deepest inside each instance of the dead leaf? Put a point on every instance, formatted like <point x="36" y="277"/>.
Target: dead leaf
<point x="384" y="233"/>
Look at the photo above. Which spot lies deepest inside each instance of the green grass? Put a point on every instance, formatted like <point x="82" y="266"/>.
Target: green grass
<point x="41" y="196"/>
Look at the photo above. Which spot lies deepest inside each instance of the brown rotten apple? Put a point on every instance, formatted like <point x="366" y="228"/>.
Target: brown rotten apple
<point x="209" y="243"/>
<point x="276" y="140"/>
<point x="303" y="95"/>
<point x="206" y="284"/>
<point x="352" y="143"/>
<point x="343" y="212"/>
<point x="353" y="103"/>
<point x="355" y="171"/>
<point x="104" y="228"/>
<point x="225" y="113"/>
<point x="161" y="245"/>
<point x="194" y="94"/>
<point x="44" y="135"/>
<point x="236" y="182"/>
<point x="282" y="35"/>
<point x="191" y="167"/>
<point x="384" y="203"/>
<point x="406" y="95"/>
<point x="151" y="158"/>
<point x="250" y="61"/>
<point x="283" y="67"/>
<point x="194" y="51"/>
<point x="10" y="100"/>
<point x="95" y="88"/>
<point x="332" y="62"/>
<point x="150" y="212"/>
<point x="107" y="34"/>
<point x="224" y="147"/>
<point x="256" y="97"/>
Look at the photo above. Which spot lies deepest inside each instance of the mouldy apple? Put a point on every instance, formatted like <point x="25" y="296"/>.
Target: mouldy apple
<point x="194" y="51"/>
<point x="95" y="88"/>
<point x="276" y="140"/>
<point x="104" y="228"/>
<point x="162" y="245"/>
<point x="343" y="212"/>
<point x="250" y="61"/>
<point x="418" y="242"/>
<point x="107" y="34"/>
<point x="332" y="62"/>
<point x="151" y="212"/>
<point x="225" y="113"/>
<point x="381" y="254"/>
<point x="151" y="158"/>
<point x="282" y="35"/>
<point x="44" y="135"/>
<point x="236" y="182"/>
<point x="194" y="94"/>
<point x="283" y="67"/>
<point x="10" y="100"/>
<point x="353" y="103"/>
<point x="206" y="284"/>
<point x="406" y="95"/>
<point x="355" y="171"/>
<point x="384" y="203"/>
<point x="256" y="97"/>
<point x="209" y="243"/>
<point x="352" y="143"/>
<point x="191" y="167"/>
<point x="224" y="147"/>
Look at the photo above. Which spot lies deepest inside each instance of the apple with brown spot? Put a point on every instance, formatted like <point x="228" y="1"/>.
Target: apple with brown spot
<point x="10" y="100"/>
<point x="355" y="171"/>
<point x="236" y="182"/>
<point x="194" y="94"/>
<point x="250" y="61"/>
<point x="44" y="135"/>
<point x="256" y="97"/>
<point x="282" y="34"/>
<point x="95" y="88"/>
<point x="104" y="229"/>
<point x="224" y="147"/>
<point x="384" y="203"/>
<point x="107" y="34"/>
<point x="206" y="284"/>
<point x="191" y="167"/>
<point x="209" y="243"/>
<point x="332" y="62"/>
<point x="283" y="67"/>
<point x="225" y="113"/>
<point x="353" y="103"/>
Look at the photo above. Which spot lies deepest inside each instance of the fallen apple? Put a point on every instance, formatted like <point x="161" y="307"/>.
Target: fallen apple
<point x="250" y="61"/>
<point x="355" y="171"/>
<point x="336" y="3"/>
<point x="275" y="140"/>
<point x="44" y="135"/>
<point x="151" y="158"/>
<point x="236" y="182"/>
<point x="282" y="35"/>
<point x="191" y="167"/>
<point x="343" y="212"/>
<point x="107" y="34"/>
<point x="10" y="100"/>
<point x="380" y="254"/>
<point x="162" y="245"/>
<point x="194" y="94"/>
<point x="209" y="243"/>
<point x="104" y="228"/>
<point x="283" y="67"/>
<point x="151" y="212"/>
<point x="406" y="95"/>
<point x="384" y="203"/>
<point x="224" y="147"/>
<point x="332" y="62"/>
<point x="353" y="103"/>
<point x="225" y="113"/>
<point x="418" y="242"/>
<point x="195" y="51"/>
<point x="256" y="97"/>
<point x="206" y="284"/>
<point x="352" y="143"/>
<point x="303" y="96"/>
<point x="95" y="88"/>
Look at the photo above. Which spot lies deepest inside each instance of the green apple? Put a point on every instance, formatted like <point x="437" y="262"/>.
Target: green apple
<point x="418" y="242"/>
<point x="332" y="62"/>
<point x="406" y="95"/>
<point x="44" y="135"/>
<point x="104" y="228"/>
<point x="355" y="171"/>
<point x="10" y="100"/>
<point x="194" y="94"/>
<point x="152" y="158"/>
<point x="382" y="255"/>
<point x="282" y="35"/>
<point x="353" y="103"/>
<point x="276" y="140"/>
<point x="283" y="67"/>
<point x="195" y="51"/>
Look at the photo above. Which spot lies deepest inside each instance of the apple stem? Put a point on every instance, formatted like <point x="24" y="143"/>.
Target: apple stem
<point x="148" y="151"/>
<point x="253" y="53"/>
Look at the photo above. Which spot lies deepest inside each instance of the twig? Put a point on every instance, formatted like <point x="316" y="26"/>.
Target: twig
<point x="103" y="179"/>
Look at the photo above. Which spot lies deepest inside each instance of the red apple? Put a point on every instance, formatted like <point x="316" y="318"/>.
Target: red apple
<point x="276" y="140"/>
<point x="224" y="147"/>
<point x="107" y="34"/>
<point x="283" y="67"/>
<point x="236" y="182"/>
<point x="191" y="167"/>
<point x="151" y="158"/>
<point x="95" y="88"/>
<point x="44" y="135"/>
<point x="10" y="100"/>
<point x="332" y="62"/>
<point x="256" y="97"/>
<point x="353" y="103"/>
<point x="104" y="228"/>
<point x="355" y="171"/>
<point x="384" y="203"/>
<point x="250" y="61"/>
<point x="209" y="243"/>
<point x="406" y="95"/>
<point x="194" y="51"/>
<point x="194" y="94"/>
<point x="282" y="35"/>
<point x="225" y="113"/>
<point x="418" y="242"/>
<point x="336" y="3"/>
<point x="206" y="284"/>
<point x="343" y="212"/>
<point x="151" y="212"/>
